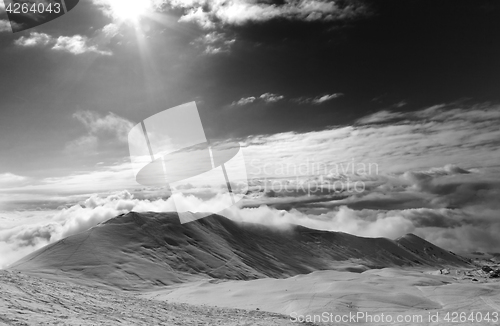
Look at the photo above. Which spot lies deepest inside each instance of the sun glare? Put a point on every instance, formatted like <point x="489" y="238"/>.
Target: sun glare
<point x="129" y="9"/>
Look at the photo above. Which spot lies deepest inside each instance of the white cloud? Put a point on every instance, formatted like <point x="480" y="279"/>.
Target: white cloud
<point x="50" y="193"/>
<point x="381" y="116"/>
<point x="325" y="98"/>
<point x="472" y="226"/>
<point x="20" y="240"/>
<point x="34" y="39"/>
<point x="318" y="99"/>
<point x="86" y="142"/>
<point x="199" y="16"/>
<point x="449" y="206"/>
<point x="435" y="136"/>
<point x="110" y="127"/>
<point x="11" y="180"/>
<point x="77" y="44"/>
<point x="110" y="122"/>
<point x="105" y="6"/>
<point x="441" y="113"/>
<point x="271" y="98"/>
<point x="343" y="219"/>
<point x="465" y="137"/>
<point x="5" y="25"/>
<point x="209" y="14"/>
<point x="215" y="43"/>
<point x="266" y="98"/>
<point x="110" y="30"/>
<point x="244" y="101"/>
<point x="437" y="176"/>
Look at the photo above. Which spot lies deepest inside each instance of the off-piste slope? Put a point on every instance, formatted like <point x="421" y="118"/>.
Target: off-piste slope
<point x="140" y="251"/>
<point x="420" y="247"/>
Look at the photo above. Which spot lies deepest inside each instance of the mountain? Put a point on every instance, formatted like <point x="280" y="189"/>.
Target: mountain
<point x="144" y="250"/>
<point x="433" y="253"/>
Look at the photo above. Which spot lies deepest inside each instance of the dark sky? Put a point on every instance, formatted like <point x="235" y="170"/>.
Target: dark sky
<point x="416" y="52"/>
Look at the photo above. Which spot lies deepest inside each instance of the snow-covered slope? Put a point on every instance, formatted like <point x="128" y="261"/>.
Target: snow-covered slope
<point x="140" y="251"/>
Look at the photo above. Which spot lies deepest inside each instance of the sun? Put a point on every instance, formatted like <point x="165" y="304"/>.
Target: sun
<point x="129" y="9"/>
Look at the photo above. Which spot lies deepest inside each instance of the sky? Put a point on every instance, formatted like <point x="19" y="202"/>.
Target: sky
<point x="409" y="87"/>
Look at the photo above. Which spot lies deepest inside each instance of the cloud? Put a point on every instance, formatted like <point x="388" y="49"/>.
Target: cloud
<point x="111" y="122"/>
<point x="210" y="14"/>
<point x="325" y="98"/>
<point x="110" y="127"/>
<point x="381" y="116"/>
<point x="105" y="6"/>
<point x="454" y="209"/>
<point x="472" y="226"/>
<point x="396" y="143"/>
<point x="110" y="30"/>
<point x="317" y="100"/>
<point x="435" y="173"/>
<point x="34" y="39"/>
<point x="21" y="240"/>
<point x="11" y="180"/>
<point x="362" y="223"/>
<point x="271" y="98"/>
<point x="214" y="43"/>
<point x="266" y="98"/>
<point x="244" y="101"/>
<point x="465" y="139"/>
<point x="5" y="25"/>
<point x="77" y="44"/>
<point x="437" y="113"/>
<point x="53" y="192"/>
<point x="198" y="16"/>
<point x="400" y="104"/>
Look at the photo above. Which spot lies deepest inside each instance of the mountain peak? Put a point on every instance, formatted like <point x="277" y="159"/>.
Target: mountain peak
<point x="143" y="250"/>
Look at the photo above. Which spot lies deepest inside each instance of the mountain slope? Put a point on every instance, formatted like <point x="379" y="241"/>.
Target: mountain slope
<point x="420" y="247"/>
<point x="137" y="251"/>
